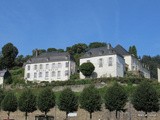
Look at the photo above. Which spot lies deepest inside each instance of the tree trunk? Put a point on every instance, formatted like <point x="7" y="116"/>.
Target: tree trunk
<point x="66" y="115"/>
<point x="26" y="115"/>
<point x="45" y="114"/>
<point x="116" y="114"/>
<point x="146" y="115"/>
<point x="8" y="114"/>
<point x="90" y="116"/>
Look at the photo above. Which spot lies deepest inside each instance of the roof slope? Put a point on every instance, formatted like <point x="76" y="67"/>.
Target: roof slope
<point x="101" y="51"/>
<point x="51" y="57"/>
<point x="121" y="50"/>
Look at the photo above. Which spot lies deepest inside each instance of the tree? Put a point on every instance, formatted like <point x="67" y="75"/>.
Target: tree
<point x="68" y="101"/>
<point x="26" y="58"/>
<point x="27" y="102"/>
<point x="133" y="50"/>
<point x="9" y="53"/>
<point x="51" y="49"/>
<point x="90" y="100"/>
<point x="115" y="98"/>
<point x="2" y="95"/>
<point x="9" y="103"/>
<point x="76" y="57"/>
<point x="46" y="100"/>
<point x="39" y="52"/>
<point x="87" y="69"/>
<point x="19" y="61"/>
<point x="145" y="98"/>
<point x="60" y="50"/>
<point x="97" y="44"/>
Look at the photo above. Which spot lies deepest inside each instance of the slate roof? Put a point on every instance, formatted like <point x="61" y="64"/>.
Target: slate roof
<point x="121" y="50"/>
<point x="50" y="57"/>
<point x="101" y="51"/>
<point x="2" y="73"/>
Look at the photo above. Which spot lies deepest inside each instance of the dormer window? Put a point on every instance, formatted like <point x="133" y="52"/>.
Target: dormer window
<point x="47" y="58"/>
<point x="101" y="52"/>
<point x="66" y="57"/>
<point x="29" y="60"/>
<point x="89" y="54"/>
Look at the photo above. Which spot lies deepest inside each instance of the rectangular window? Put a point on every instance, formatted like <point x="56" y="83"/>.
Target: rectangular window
<point x="35" y="67"/>
<point x="28" y="67"/>
<point x="67" y="64"/>
<point x="101" y="62"/>
<point x="59" y="73"/>
<point x="66" y="73"/>
<point x="28" y="75"/>
<point x="47" y="74"/>
<point x="53" y="65"/>
<point x="53" y="74"/>
<point x="59" y="65"/>
<point x="88" y="61"/>
<point x="110" y="61"/>
<point x="41" y="67"/>
<point x="47" y="66"/>
<point x="40" y="74"/>
<point x="35" y="75"/>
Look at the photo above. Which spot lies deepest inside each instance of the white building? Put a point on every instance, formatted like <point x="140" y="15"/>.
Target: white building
<point x="133" y="63"/>
<point x="158" y="72"/>
<point x="107" y="62"/>
<point x="50" y="66"/>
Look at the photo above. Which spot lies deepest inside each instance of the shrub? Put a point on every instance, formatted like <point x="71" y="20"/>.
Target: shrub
<point x="74" y="76"/>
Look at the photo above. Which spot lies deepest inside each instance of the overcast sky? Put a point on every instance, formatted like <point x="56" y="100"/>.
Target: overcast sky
<point x="42" y="24"/>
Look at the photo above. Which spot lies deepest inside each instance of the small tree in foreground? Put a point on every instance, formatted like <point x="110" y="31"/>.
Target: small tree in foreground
<point x="68" y="101"/>
<point x="1" y="96"/>
<point x="9" y="103"/>
<point x="90" y="100"/>
<point x="27" y="102"/>
<point x="46" y="100"/>
<point x="145" y="98"/>
<point x="87" y="69"/>
<point x="115" y="98"/>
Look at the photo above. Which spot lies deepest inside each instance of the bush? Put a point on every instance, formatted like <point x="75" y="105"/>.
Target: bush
<point x="9" y="80"/>
<point x="74" y="76"/>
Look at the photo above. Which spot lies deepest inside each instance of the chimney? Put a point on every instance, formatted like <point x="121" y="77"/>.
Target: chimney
<point x="36" y="52"/>
<point x="108" y="46"/>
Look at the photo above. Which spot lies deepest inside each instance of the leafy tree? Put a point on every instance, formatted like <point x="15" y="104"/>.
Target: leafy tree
<point x="145" y="98"/>
<point x="26" y="58"/>
<point x="27" y="102"/>
<point x="90" y="100"/>
<point x="115" y="98"/>
<point x="133" y="50"/>
<point x="87" y="69"/>
<point x="39" y="51"/>
<point x="8" y="80"/>
<point x="68" y="101"/>
<point x="9" y="103"/>
<point x="2" y="95"/>
<point x="60" y="50"/>
<point x="130" y="50"/>
<point x="76" y="57"/>
<point x="9" y="53"/>
<point x="19" y="60"/>
<point x="97" y="44"/>
<point x="46" y="100"/>
<point x="51" y="49"/>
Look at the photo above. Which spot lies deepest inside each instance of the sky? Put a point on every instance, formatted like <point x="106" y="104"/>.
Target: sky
<point x="42" y="24"/>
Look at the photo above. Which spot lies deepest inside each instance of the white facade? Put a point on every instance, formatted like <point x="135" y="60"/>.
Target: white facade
<point x="1" y="80"/>
<point x="158" y="72"/>
<point x="49" y="71"/>
<point x="105" y="66"/>
<point x="135" y="65"/>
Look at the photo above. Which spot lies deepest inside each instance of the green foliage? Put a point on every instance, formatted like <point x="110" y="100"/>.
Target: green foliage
<point x="77" y="57"/>
<point x="90" y="99"/>
<point x="133" y="50"/>
<point x="9" y="103"/>
<point x="9" y="53"/>
<point x="2" y="95"/>
<point x="60" y="50"/>
<point x="145" y="98"/>
<point x="51" y="49"/>
<point x="68" y="101"/>
<point x="27" y="102"/>
<point x="17" y="72"/>
<point x="46" y="100"/>
<point x="97" y="44"/>
<point x="74" y="76"/>
<point x="39" y="51"/>
<point x="115" y="98"/>
<point x="87" y="69"/>
<point x="9" y="80"/>
<point x="19" y="61"/>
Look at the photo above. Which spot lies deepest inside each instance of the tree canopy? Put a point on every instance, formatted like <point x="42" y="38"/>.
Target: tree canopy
<point x="2" y="95"/>
<point x="9" y="53"/>
<point x="46" y="100"/>
<point x="90" y="100"/>
<point x="9" y="103"/>
<point x="115" y="98"/>
<point x="87" y="69"/>
<point x="145" y="98"/>
<point x="68" y="101"/>
<point x="27" y="102"/>
<point x="133" y="50"/>
<point x="97" y="44"/>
